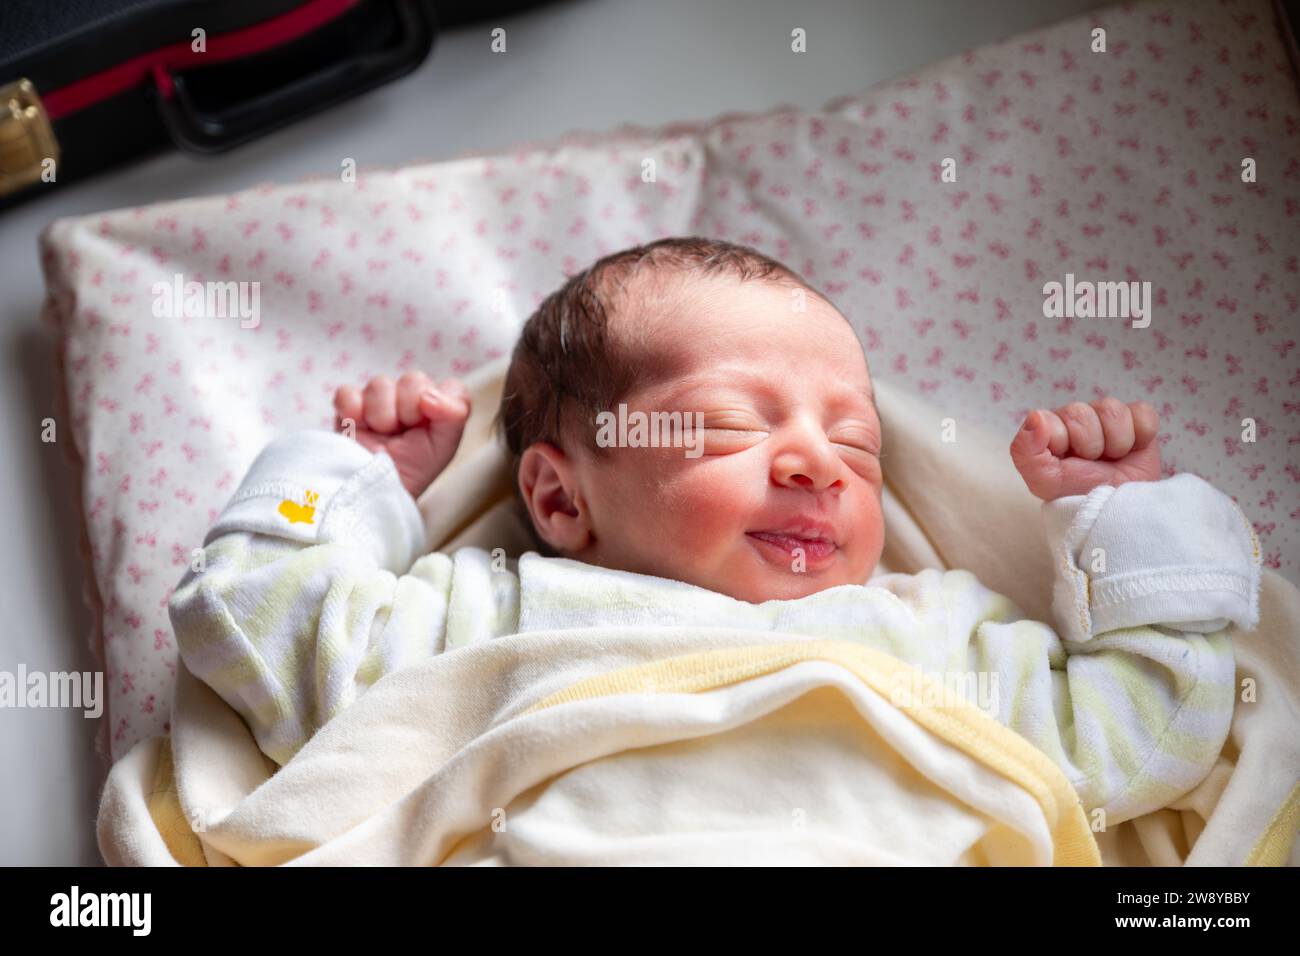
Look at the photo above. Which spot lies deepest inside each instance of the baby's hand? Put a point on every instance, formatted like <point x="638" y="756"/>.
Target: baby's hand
<point x="417" y="423"/>
<point x="1078" y="447"/>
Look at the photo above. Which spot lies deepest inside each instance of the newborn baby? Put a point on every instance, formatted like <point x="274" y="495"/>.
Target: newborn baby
<point x="315" y="584"/>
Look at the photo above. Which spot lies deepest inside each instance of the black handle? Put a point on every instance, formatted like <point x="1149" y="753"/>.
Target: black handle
<point x="196" y="132"/>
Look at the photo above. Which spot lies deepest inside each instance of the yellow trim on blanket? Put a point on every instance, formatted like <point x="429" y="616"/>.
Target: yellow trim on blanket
<point x="1274" y="846"/>
<point x="962" y="725"/>
<point x="164" y="806"/>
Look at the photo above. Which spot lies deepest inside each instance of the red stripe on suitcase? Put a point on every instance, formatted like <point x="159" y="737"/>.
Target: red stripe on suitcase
<point x="158" y="63"/>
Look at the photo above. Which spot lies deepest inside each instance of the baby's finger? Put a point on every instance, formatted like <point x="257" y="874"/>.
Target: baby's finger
<point x="439" y="406"/>
<point x="1029" y="447"/>
<point x="348" y="404"/>
<point x="1146" y="424"/>
<point x="1116" y="426"/>
<point x="1058" y="442"/>
<point x="450" y="399"/>
<point x="455" y="388"/>
<point x="381" y="405"/>
<point x="409" y="387"/>
<point x="1081" y="420"/>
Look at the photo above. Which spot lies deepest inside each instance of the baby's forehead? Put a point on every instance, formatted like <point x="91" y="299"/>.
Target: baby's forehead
<point x="678" y="334"/>
<point x="675" y="310"/>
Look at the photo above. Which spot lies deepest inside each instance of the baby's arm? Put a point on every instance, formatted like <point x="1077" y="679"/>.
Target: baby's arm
<point x="1133" y="694"/>
<point x="1136" y="696"/>
<point x="306" y="592"/>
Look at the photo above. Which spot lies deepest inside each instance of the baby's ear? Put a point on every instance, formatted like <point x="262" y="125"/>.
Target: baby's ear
<point x="547" y="484"/>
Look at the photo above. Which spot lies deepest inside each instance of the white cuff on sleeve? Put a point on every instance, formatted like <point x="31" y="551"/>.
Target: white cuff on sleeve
<point x="1176" y="551"/>
<point x="315" y="487"/>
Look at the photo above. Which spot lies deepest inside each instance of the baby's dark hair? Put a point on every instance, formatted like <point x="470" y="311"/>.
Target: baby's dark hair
<point x="567" y="366"/>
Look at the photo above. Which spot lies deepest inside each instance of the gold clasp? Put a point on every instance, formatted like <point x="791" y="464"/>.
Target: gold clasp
<point x="26" y="137"/>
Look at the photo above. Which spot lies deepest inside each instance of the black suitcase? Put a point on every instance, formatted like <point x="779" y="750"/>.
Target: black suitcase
<point x="88" y="84"/>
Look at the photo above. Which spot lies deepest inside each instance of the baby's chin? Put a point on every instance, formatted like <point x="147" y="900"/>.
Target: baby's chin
<point x="752" y="573"/>
<point x="757" y="582"/>
<point x="791" y="588"/>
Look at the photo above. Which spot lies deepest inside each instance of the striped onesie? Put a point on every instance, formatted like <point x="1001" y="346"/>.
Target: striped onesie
<point x="315" y="583"/>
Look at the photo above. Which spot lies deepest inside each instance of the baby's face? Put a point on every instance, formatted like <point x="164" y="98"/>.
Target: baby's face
<point x="784" y="500"/>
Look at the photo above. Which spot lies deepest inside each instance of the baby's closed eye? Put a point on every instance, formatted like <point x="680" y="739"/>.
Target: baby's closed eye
<point x="861" y="439"/>
<point x="723" y="436"/>
<point x="726" y="434"/>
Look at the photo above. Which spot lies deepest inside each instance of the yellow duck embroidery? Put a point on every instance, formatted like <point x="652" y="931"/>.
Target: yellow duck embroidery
<point x="300" y="512"/>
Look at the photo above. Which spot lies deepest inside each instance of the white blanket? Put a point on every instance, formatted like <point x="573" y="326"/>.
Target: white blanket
<point x="750" y="750"/>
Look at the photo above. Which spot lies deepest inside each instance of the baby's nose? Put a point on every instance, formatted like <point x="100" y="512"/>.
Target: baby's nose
<point x="805" y="459"/>
<point x="808" y="475"/>
<point x="812" y="484"/>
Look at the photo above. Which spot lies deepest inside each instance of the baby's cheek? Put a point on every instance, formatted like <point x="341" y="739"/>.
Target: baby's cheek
<point x="705" y="504"/>
<point x="867" y="532"/>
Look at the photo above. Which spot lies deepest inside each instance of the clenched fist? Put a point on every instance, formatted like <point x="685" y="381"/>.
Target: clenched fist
<point x="1081" y="446"/>
<point x="417" y="423"/>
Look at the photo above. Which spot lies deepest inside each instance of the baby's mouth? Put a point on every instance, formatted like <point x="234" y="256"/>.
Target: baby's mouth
<point x="814" y="546"/>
